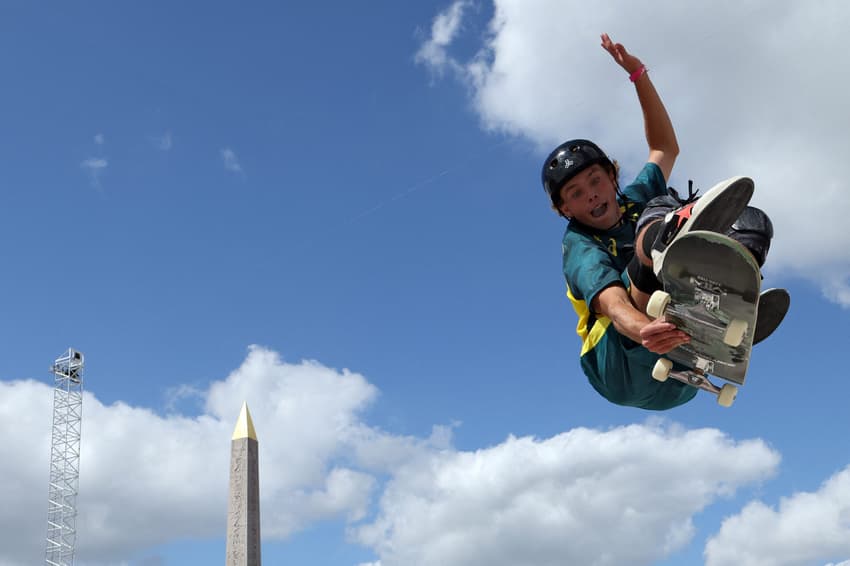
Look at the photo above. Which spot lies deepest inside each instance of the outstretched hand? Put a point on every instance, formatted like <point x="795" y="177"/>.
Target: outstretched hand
<point x="623" y="58"/>
<point x="660" y="336"/>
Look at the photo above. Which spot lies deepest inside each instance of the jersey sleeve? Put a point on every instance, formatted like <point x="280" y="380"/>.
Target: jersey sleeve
<point x="588" y="268"/>
<point x="648" y="184"/>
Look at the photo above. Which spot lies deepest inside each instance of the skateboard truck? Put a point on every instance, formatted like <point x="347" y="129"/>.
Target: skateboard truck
<point x="705" y="366"/>
<point x="696" y="378"/>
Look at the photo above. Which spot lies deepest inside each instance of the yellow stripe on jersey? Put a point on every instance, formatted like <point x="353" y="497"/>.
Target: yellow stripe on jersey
<point x="589" y="337"/>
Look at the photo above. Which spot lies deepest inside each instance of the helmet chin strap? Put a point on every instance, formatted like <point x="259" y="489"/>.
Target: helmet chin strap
<point x="617" y="224"/>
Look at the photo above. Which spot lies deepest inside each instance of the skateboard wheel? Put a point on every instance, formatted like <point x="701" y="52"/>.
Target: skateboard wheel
<point x="735" y="332"/>
<point x="662" y="368"/>
<point x="727" y="395"/>
<point x="657" y="303"/>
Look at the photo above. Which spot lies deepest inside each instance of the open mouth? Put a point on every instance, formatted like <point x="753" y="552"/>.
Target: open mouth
<point x="599" y="210"/>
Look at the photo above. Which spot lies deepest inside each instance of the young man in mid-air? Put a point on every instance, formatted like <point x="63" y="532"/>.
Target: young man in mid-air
<point x="615" y="242"/>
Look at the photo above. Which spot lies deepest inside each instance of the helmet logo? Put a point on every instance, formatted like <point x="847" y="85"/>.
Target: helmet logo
<point x="568" y="163"/>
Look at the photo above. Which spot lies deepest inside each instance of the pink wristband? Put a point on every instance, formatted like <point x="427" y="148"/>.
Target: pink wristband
<point x="636" y="75"/>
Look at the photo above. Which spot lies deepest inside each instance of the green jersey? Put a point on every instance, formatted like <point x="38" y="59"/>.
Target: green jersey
<point x="594" y="260"/>
<point x="617" y="367"/>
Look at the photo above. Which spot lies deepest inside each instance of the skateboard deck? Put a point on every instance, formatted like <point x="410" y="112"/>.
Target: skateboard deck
<point x="711" y="292"/>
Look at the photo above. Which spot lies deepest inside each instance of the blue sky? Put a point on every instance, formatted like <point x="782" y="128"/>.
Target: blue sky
<point x="333" y="212"/>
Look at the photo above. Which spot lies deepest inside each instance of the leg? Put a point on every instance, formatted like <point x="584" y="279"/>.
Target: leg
<point x="715" y="211"/>
<point x="642" y="277"/>
<point x="754" y="230"/>
<point x="639" y="298"/>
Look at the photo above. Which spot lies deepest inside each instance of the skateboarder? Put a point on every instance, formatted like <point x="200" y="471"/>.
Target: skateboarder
<point x="615" y="241"/>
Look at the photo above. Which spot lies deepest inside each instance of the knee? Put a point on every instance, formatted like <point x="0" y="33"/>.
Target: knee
<point x="645" y="239"/>
<point x="642" y="277"/>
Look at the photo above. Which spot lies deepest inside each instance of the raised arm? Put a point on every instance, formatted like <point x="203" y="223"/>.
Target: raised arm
<point x="660" y="136"/>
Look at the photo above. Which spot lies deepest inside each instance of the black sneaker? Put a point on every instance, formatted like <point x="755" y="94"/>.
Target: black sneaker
<point x="773" y="305"/>
<point x="715" y="211"/>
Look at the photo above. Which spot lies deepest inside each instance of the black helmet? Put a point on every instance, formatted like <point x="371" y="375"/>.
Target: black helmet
<point x="566" y="161"/>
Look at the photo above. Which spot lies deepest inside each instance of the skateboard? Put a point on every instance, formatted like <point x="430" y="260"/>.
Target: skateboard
<point x="711" y="291"/>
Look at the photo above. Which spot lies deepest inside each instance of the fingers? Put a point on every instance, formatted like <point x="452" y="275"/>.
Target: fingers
<point x="664" y="344"/>
<point x="657" y="327"/>
<point x="608" y="44"/>
<point x="660" y="337"/>
<point x="616" y="50"/>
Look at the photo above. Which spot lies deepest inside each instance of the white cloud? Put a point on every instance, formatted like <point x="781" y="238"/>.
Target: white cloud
<point x="444" y="29"/>
<point x="624" y="496"/>
<point x="807" y="528"/>
<point x="164" y="142"/>
<point x="231" y="162"/>
<point x="95" y="166"/>
<point x="147" y="479"/>
<point x="752" y="89"/>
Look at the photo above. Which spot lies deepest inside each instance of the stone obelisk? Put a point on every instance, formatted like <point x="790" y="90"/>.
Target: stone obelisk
<point x="243" y="507"/>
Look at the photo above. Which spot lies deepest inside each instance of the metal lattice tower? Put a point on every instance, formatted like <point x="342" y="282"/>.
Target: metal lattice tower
<point x="65" y="458"/>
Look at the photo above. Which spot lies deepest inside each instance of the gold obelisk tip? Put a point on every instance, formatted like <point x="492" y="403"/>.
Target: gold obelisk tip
<point x="244" y="426"/>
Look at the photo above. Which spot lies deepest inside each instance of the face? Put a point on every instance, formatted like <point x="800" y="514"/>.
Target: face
<point x="591" y="198"/>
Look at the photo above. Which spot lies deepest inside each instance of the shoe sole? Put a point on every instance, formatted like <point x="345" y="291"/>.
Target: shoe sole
<point x="715" y="211"/>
